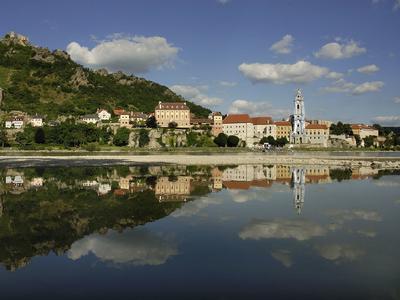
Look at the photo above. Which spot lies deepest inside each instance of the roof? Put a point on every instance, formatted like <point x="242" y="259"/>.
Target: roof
<point x="283" y="123"/>
<point x="201" y="121"/>
<point x="316" y="126"/>
<point x="118" y="111"/>
<point x="237" y="118"/>
<point x="37" y="117"/>
<point x="361" y="126"/>
<point x="92" y="116"/>
<point x="172" y="105"/>
<point x="136" y="114"/>
<point x="261" y="120"/>
<point x="101" y="110"/>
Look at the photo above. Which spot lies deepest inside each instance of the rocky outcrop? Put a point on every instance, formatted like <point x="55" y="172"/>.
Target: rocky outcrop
<point x="159" y="138"/>
<point x="43" y="55"/>
<point x="61" y="54"/>
<point x="79" y="78"/>
<point x="101" y="72"/>
<point x="13" y="38"/>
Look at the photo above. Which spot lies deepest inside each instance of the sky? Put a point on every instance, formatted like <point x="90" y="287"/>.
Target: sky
<point x="236" y="56"/>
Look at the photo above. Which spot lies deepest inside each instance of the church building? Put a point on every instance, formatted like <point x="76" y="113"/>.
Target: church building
<point x="299" y="120"/>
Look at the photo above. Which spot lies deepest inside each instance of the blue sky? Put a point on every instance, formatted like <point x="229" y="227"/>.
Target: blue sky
<point x="236" y="55"/>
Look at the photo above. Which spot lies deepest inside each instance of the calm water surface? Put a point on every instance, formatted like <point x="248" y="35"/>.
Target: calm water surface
<point x="238" y="232"/>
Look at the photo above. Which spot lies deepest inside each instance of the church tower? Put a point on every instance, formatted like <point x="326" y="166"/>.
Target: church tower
<point x="298" y="182"/>
<point x="299" y="121"/>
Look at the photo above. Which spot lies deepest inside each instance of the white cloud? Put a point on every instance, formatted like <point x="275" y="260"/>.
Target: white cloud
<point x="334" y="75"/>
<point x="284" y="257"/>
<point x="257" y="108"/>
<point x="387" y="183"/>
<point x="300" y="230"/>
<point x="227" y="83"/>
<point x="300" y="72"/>
<point x="137" y="247"/>
<point x="283" y="46"/>
<point x="369" y="69"/>
<point x="336" y="50"/>
<point x="137" y="54"/>
<point x="366" y="87"/>
<point x="194" y="207"/>
<point x="223" y="2"/>
<point x="388" y="120"/>
<point x="196" y="94"/>
<point x="345" y="215"/>
<point x="343" y="86"/>
<point x="396" y="5"/>
<point x="396" y="99"/>
<point x="338" y="252"/>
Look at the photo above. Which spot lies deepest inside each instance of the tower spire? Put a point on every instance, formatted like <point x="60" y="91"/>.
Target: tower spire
<point x="299" y="122"/>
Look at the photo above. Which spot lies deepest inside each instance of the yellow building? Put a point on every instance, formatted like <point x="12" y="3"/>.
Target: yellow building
<point x="317" y="134"/>
<point x="283" y="129"/>
<point x="216" y="127"/>
<point x="173" y="190"/>
<point x="364" y="130"/>
<point x="177" y="112"/>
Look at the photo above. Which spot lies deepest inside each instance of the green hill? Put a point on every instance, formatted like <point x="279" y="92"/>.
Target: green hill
<point x="37" y="80"/>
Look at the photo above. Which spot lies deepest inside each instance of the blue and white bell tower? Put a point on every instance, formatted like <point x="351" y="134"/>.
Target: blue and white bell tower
<point x="299" y="120"/>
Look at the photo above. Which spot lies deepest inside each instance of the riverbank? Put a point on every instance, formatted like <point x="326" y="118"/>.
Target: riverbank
<point x="295" y="158"/>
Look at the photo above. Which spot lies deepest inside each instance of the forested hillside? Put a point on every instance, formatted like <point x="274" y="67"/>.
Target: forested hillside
<point x="37" y="80"/>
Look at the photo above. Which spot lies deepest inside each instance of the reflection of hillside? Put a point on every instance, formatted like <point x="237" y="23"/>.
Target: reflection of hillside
<point x="38" y="222"/>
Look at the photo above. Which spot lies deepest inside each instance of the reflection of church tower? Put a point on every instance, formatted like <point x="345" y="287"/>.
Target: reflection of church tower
<point x="299" y="122"/>
<point x="298" y="181"/>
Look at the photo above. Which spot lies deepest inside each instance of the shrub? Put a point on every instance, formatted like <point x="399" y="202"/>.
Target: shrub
<point x="40" y="136"/>
<point x="121" y="138"/>
<point x="143" y="137"/>
<point x="221" y="140"/>
<point x="172" y="125"/>
<point x="232" y="141"/>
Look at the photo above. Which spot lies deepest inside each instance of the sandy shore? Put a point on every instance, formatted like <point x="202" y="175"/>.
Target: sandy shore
<point x="202" y="159"/>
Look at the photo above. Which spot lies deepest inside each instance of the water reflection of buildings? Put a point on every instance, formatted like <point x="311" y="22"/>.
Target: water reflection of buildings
<point x="299" y="181"/>
<point x="247" y="176"/>
<point x="172" y="188"/>
<point x="178" y="182"/>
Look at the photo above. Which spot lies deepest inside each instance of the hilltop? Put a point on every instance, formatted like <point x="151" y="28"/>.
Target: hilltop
<point x="37" y="80"/>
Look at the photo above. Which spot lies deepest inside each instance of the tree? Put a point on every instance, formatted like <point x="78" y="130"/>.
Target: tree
<point x="151" y="122"/>
<point x="281" y="141"/>
<point x="40" y="136"/>
<point x="172" y="125"/>
<point x="3" y="138"/>
<point x="191" y="138"/>
<point x="143" y="137"/>
<point x="358" y="140"/>
<point x="221" y="140"/>
<point x="121" y="138"/>
<point x="232" y="141"/>
<point x="269" y="139"/>
<point x="368" y="141"/>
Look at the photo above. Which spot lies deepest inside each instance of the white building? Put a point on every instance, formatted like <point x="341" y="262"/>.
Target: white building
<point x="104" y="188"/>
<point x="263" y="127"/>
<point x="239" y="125"/>
<point x="124" y="120"/>
<point x="15" y="122"/>
<point x="103" y="114"/>
<point x="90" y="119"/>
<point x="36" y="121"/>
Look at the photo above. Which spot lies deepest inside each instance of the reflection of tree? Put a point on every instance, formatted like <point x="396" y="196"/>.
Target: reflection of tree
<point x="51" y="219"/>
<point x="340" y="174"/>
